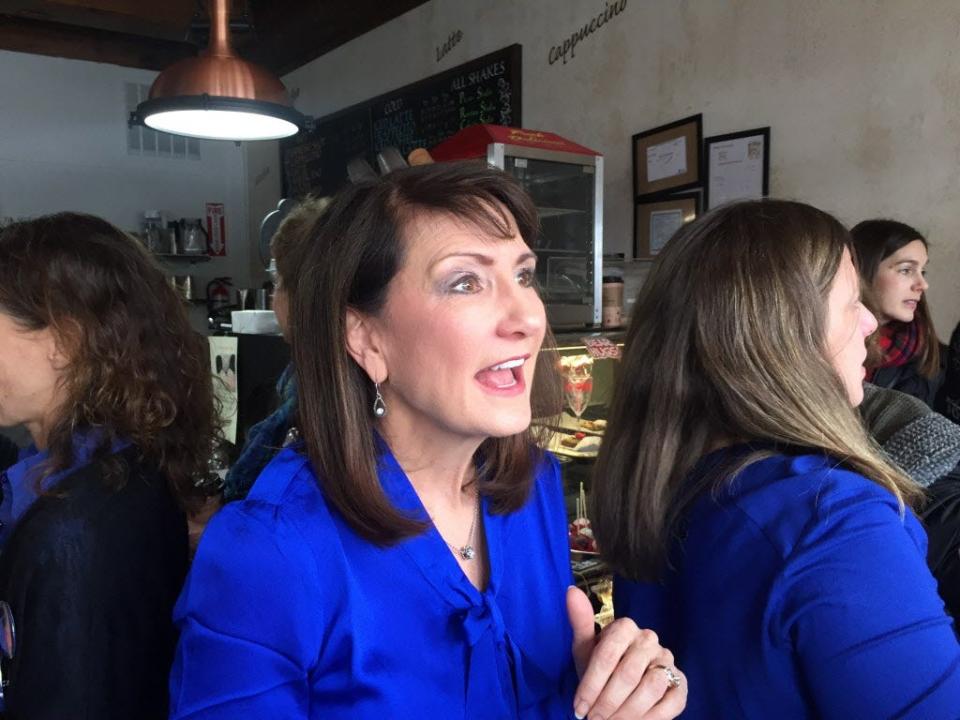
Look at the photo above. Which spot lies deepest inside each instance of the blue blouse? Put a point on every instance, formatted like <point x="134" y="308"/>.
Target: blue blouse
<point x="288" y="613"/>
<point x="798" y="591"/>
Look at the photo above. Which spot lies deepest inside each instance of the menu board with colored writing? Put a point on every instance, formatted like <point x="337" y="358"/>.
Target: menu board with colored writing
<point x="485" y="90"/>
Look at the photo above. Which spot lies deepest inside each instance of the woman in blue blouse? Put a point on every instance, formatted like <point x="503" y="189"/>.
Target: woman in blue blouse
<point x="754" y="525"/>
<point x="409" y="558"/>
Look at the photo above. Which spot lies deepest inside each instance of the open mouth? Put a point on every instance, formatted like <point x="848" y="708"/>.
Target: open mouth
<point x="504" y="375"/>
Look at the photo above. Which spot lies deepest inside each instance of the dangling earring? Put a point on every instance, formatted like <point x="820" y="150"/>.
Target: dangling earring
<point x="379" y="407"/>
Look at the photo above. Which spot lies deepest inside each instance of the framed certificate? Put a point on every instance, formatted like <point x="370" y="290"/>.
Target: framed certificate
<point x="656" y="221"/>
<point x="737" y="166"/>
<point x="667" y="157"/>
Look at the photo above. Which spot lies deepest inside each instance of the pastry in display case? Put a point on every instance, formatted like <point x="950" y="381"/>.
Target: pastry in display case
<point x="587" y="365"/>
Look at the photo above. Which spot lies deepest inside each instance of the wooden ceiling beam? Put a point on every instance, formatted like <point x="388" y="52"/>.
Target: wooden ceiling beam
<point x="68" y="41"/>
<point x="151" y="34"/>
<point x="168" y="20"/>
<point x="292" y="33"/>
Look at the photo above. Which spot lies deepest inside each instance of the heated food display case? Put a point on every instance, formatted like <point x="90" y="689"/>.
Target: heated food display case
<point x="565" y="181"/>
<point x="587" y="362"/>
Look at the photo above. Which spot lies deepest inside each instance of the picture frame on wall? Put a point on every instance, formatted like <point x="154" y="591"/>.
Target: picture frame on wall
<point x="667" y="158"/>
<point x="737" y="166"/>
<point x="656" y="220"/>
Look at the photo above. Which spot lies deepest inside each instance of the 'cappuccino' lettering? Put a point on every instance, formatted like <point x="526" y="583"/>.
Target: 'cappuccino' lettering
<point x="610" y="10"/>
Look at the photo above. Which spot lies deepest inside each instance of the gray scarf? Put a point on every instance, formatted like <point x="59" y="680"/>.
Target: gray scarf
<point x="925" y="444"/>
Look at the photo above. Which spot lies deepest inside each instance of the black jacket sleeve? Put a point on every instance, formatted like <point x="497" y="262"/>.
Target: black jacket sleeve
<point x="92" y="578"/>
<point x="907" y="379"/>
<point x="941" y="518"/>
<point x="8" y="452"/>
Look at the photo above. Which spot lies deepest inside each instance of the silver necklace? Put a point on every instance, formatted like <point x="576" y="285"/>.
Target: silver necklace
<point x="467" y="551"/>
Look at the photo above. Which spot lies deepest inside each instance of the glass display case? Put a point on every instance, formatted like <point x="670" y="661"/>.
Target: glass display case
<point x="575" y="436"/>
<point x="565" y="181"/>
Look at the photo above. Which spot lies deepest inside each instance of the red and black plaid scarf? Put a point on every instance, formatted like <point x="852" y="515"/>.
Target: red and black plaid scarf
<point x="898" y="342"/>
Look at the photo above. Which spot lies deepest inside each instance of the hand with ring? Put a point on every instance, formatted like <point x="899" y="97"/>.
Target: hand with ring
<point x="624" y="672"/>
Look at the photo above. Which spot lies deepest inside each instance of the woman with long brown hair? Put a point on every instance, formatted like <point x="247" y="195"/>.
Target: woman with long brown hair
<point x="892" y="259"/>
<point x="754" y="525"/>
<point x="409" y="558"/>
<point x="98" y="362"/>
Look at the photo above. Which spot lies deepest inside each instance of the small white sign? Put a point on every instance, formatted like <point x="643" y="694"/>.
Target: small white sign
<point x="224" y="361"/>
<point x="667" y="159"/>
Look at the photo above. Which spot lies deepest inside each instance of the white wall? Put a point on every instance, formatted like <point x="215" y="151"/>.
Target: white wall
<point x="63" y="147"/>
<point x="863" y="96"/>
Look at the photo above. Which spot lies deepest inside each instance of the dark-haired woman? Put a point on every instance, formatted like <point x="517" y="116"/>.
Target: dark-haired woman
<point x="892" y="259"/>
<point x="98" y="361"/>
<point x="754" y="525"/>
<point x="409" y="559"/>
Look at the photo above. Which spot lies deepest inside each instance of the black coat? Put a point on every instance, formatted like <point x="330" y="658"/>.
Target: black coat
<point x="8" y="452"/>
<point x="907" y="379"/>
<point x="941" y="517"/>
<point x="92" y="578"/>
<point x="948" y="401"/>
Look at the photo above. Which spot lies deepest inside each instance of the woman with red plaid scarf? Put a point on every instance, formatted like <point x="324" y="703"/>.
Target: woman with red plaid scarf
<point x="893" y="259"/>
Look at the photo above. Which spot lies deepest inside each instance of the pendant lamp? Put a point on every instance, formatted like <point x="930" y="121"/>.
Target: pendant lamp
<point x="219" y="96"/>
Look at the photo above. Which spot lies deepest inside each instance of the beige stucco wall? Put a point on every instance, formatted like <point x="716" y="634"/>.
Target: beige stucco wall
<point x="863" y="96"/>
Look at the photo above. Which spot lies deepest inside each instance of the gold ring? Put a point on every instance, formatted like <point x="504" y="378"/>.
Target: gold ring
<point x="673" y="678"/>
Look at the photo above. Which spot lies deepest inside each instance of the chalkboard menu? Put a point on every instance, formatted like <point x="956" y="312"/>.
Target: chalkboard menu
<point x="485" y="90"/>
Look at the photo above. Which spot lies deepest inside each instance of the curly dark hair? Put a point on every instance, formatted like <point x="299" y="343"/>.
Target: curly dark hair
<point x="136" y="370"/>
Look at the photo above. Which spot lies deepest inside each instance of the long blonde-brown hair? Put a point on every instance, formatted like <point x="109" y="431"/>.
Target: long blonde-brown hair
<point x="727" y="344"/>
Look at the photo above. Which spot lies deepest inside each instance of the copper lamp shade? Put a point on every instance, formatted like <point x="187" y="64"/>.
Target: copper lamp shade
<point x="218" y="95"/>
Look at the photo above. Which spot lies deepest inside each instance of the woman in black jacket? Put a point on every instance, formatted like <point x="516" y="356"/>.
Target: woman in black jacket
<point x="892" y="259"/>
<point x="926" y="446"/>
<point x="98" y="361"/>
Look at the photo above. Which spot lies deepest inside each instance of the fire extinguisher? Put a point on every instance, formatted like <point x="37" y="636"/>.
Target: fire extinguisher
<point x="218" y="294"/>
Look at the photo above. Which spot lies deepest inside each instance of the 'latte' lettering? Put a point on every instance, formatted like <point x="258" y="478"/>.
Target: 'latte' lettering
<point x="455" y="37"/>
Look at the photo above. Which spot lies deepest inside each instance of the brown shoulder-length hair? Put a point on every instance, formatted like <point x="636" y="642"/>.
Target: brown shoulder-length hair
<point x="875" y="241"/>
<point x="727" y="344"/>
<point x="353" y="252"/>
<point x="136" y="371"/>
